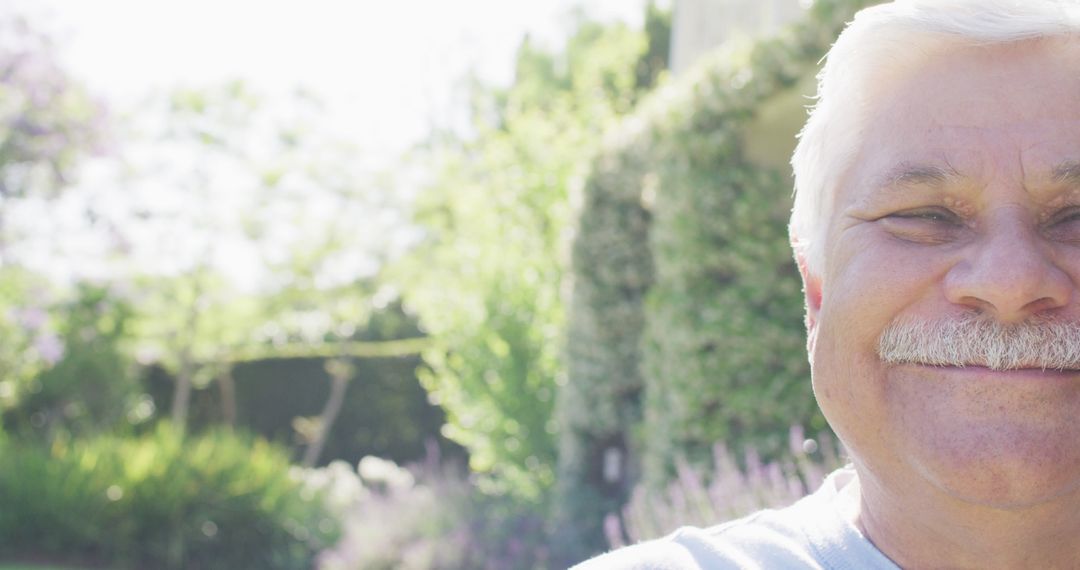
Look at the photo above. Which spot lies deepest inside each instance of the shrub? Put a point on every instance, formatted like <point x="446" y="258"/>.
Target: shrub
<point x="29" y="341"/>
<point x="487" y="280"/>
<point x="385" y="412"/>
<point x="431" y="517"/>
<point x="91" y="387"/>
<point x="160" y="501"/>
<point x="697" y="497"/>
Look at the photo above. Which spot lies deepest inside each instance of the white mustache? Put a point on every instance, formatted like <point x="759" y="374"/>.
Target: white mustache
<point x="976" y="340"/>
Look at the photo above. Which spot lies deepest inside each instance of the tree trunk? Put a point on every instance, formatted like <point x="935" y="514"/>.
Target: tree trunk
<point x="182" y="393"/>
<point x="340" y="374"/>
<point x="182" y="396"/>
<point x="227" y="385"/>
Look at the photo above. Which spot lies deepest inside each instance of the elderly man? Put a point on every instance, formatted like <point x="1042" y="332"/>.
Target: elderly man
<point x="937" y="227"/>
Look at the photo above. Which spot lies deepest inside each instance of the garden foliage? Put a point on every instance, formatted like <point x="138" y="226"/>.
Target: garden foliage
<point x="160" y="501"/>
<point x="599" y="409"/>
<point x="487" y="281"/>
<point x="726" y="490"/>
<point x="683" y="328"/>
<point x="47" y="120"/>
<point x="91" y="385"/>
<point x="385" y="412"/>
<point x="724" y="356"/>
<point x="29" y="340"/>
<point x="429" y="517"/>
<point x="686" y="324"/>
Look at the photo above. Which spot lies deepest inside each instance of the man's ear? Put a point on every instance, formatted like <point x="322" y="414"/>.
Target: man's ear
<point x="812" y="291"/>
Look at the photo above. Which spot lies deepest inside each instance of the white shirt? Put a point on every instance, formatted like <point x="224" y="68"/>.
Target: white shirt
<point x="812" y="533"/>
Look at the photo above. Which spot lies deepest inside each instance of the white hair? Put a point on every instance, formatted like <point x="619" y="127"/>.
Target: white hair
<point x="881" y="42"/>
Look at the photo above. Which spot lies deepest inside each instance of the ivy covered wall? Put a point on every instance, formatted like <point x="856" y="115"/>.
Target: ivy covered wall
<point x="686" y="323"/>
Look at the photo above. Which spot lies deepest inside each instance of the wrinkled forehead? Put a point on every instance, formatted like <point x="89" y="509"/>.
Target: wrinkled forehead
<point x="1008" y="110"/>
<point x="1013" y="80"/>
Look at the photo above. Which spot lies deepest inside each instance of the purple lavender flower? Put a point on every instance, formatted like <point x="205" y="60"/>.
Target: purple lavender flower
<point x="49" y="347"/>
<point x="30" y="318"/>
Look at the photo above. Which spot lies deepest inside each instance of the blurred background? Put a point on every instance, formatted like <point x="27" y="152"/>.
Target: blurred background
<point x="416" y="284"/>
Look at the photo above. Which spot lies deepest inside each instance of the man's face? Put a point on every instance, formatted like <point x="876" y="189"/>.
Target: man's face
<point x="963" y="201"/>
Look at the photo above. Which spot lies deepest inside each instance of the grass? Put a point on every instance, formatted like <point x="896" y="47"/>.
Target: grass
<point x="33" y="567"/>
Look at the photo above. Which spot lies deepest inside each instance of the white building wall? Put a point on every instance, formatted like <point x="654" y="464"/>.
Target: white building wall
<point x="697" y="26"/>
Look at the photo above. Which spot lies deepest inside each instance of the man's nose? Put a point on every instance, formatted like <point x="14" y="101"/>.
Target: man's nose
<point x="1009" y="271"/>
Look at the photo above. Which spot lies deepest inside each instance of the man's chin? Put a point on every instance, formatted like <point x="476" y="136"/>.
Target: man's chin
<point x="1007" y="492"/>
<point x="1001" y="438"/>
<point x="1011" y="471"/>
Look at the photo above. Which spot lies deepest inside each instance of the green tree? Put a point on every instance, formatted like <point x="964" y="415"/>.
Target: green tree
<point x="488" y="279"/>
<point x="30" y="341"/>
<point x="92" y="386"/>
<point x="48" y="123"/>
<point x="246" y="234"/>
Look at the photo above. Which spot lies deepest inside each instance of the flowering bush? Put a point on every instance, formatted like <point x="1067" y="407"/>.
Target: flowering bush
<point x="336" y="484"/>
<point x="431" y="517"/>
<point x="29" y="340"/>
<point x="88" y="384"/>
<point x="732" y="491"/>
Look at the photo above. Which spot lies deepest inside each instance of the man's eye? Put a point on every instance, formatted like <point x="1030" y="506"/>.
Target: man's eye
<point x="929" y="226"/>
<point x="1066" y="216"/>
<point x="933" y="215"/>
<point x="1064" y="225"/>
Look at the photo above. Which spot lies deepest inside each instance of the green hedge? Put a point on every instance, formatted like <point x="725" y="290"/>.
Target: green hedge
<point x="601" y="403"/>
<point x="159" y="501"/>
<point x="724" y="355"/>
<point x="386" y="412"/>
<point x="689" y="205"/>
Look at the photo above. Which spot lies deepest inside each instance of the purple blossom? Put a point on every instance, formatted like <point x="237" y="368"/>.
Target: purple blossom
<point x="49" y="347"/>
<point x="706" y="497"/>
<point x="30" y="318"/>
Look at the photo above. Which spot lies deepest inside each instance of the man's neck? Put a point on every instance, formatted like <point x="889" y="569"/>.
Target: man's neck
<point x="924" y="527"/>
